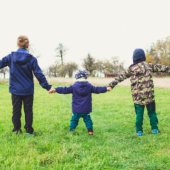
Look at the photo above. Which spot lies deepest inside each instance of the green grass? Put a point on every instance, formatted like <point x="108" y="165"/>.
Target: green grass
<point x="114" y="145"/>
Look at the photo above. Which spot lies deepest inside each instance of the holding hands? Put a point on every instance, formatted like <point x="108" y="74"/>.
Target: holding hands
<point x="52" y="90"/>
<point x="109" y="88"/>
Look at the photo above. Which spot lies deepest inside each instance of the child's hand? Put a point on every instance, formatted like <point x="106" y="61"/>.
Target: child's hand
<point x="109" y="88"/>
<point x="52" y="90"/>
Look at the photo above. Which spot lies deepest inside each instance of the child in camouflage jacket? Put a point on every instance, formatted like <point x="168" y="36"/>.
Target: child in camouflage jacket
<point x="142" y="88"/>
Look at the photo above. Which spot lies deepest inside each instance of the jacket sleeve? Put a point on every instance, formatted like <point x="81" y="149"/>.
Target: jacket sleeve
<point x="39" y="75"/>
<point x="120" y="78"/>
<point x="97" y="89"/>
<point x="159" y="68"/>
<point x="64" y="90"/>
<point x="5" y="61"/>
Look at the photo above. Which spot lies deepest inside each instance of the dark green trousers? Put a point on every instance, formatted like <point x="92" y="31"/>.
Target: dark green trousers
<point x="151" y="113"/>
<point x="75" y="119"/>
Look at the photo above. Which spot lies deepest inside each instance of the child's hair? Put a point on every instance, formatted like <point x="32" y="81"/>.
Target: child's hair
<point x="23" y="42"/>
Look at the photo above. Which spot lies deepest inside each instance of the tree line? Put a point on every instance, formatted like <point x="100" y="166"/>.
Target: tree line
<point x="157" y="53"/>
<point x="90" y="64"/>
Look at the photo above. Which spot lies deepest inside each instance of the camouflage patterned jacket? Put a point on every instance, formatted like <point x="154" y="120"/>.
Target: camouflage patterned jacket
<point x="142" y="86"/>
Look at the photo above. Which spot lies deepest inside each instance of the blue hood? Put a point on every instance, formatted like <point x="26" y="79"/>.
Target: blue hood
<point x="138" y="55"/>
<point x="82" y="88"/>
<point x="21" y="57"/>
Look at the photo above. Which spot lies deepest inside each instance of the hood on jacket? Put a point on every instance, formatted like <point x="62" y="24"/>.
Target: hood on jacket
<point x="21" y="57"/>
<point x="138" y="55"/>
<point x="82" y="87"/>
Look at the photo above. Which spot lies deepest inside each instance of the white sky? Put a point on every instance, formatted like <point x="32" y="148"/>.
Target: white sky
<point x="103" y="28"/>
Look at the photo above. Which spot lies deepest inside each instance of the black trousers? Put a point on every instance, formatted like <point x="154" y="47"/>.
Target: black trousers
<point x="28" y="107"/>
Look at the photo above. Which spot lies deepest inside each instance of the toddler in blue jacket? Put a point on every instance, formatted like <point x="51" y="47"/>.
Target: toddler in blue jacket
<point x="21" y="85"/>
<point x="81" y="99"/>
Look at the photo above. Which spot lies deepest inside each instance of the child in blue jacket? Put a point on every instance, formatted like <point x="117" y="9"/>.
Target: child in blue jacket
<point x="81" y="99"/>
<point x="21" y="85"/>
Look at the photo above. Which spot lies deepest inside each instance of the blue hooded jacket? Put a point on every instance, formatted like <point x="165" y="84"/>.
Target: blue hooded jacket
<point x="22" y="66"/>
<point x="81" y="98"/>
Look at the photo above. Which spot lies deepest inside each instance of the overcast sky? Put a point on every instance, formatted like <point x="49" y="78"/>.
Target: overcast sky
<point x="103" y="28"/>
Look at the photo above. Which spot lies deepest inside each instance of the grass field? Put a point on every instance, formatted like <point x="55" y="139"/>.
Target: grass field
<point x="114" y="145"/>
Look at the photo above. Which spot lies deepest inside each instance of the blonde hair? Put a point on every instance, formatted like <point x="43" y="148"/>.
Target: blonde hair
<point x="23" y="42"/>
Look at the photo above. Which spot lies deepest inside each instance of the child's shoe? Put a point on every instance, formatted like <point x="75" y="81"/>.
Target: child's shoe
<point x="155" y="131"/>
<point x="139" y="133"/>
<point x="90" y="133"/>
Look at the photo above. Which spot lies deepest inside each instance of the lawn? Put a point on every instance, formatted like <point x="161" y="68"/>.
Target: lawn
<point x="113" y="145"/>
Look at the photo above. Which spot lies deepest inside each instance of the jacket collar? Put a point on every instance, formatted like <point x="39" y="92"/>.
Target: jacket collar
<point x="136" y="62"/>
<point x="22" y="51"/>
<point x="81" y="80"/>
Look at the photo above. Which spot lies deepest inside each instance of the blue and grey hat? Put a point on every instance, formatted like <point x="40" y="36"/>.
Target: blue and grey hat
<point x="80" y="74"/>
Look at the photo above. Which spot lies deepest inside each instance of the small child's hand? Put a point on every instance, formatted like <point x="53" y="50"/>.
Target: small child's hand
<point x="52" y="90"/>
<point x="109" y="88"/>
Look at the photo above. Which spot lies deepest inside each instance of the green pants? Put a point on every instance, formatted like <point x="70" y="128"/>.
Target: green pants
<point x="75" y="119"/>
<point x="151" y="113"/>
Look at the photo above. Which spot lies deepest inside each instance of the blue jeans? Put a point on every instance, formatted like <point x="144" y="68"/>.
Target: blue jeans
<point x="75" y="119"/>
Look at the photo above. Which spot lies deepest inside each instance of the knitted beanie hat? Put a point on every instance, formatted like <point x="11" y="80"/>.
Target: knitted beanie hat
<point x="80" y="74"/>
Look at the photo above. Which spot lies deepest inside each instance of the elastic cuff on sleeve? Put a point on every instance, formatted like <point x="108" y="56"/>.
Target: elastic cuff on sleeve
<point x="49" y="87"/>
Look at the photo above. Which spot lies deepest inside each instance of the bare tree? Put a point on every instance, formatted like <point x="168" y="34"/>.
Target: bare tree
<point x="61" y="51"/>
<point x="70" y="67"/>
<point x="54" y="70"/>
<point x="117" y="65"/>
<point x="62" y="71"/>
<point x="4" y="71"/>
<point x="107" y="66"/>
<point x="89" y="63"/>
<point x="58" y="70"/>
<point x="113" y="65"/>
